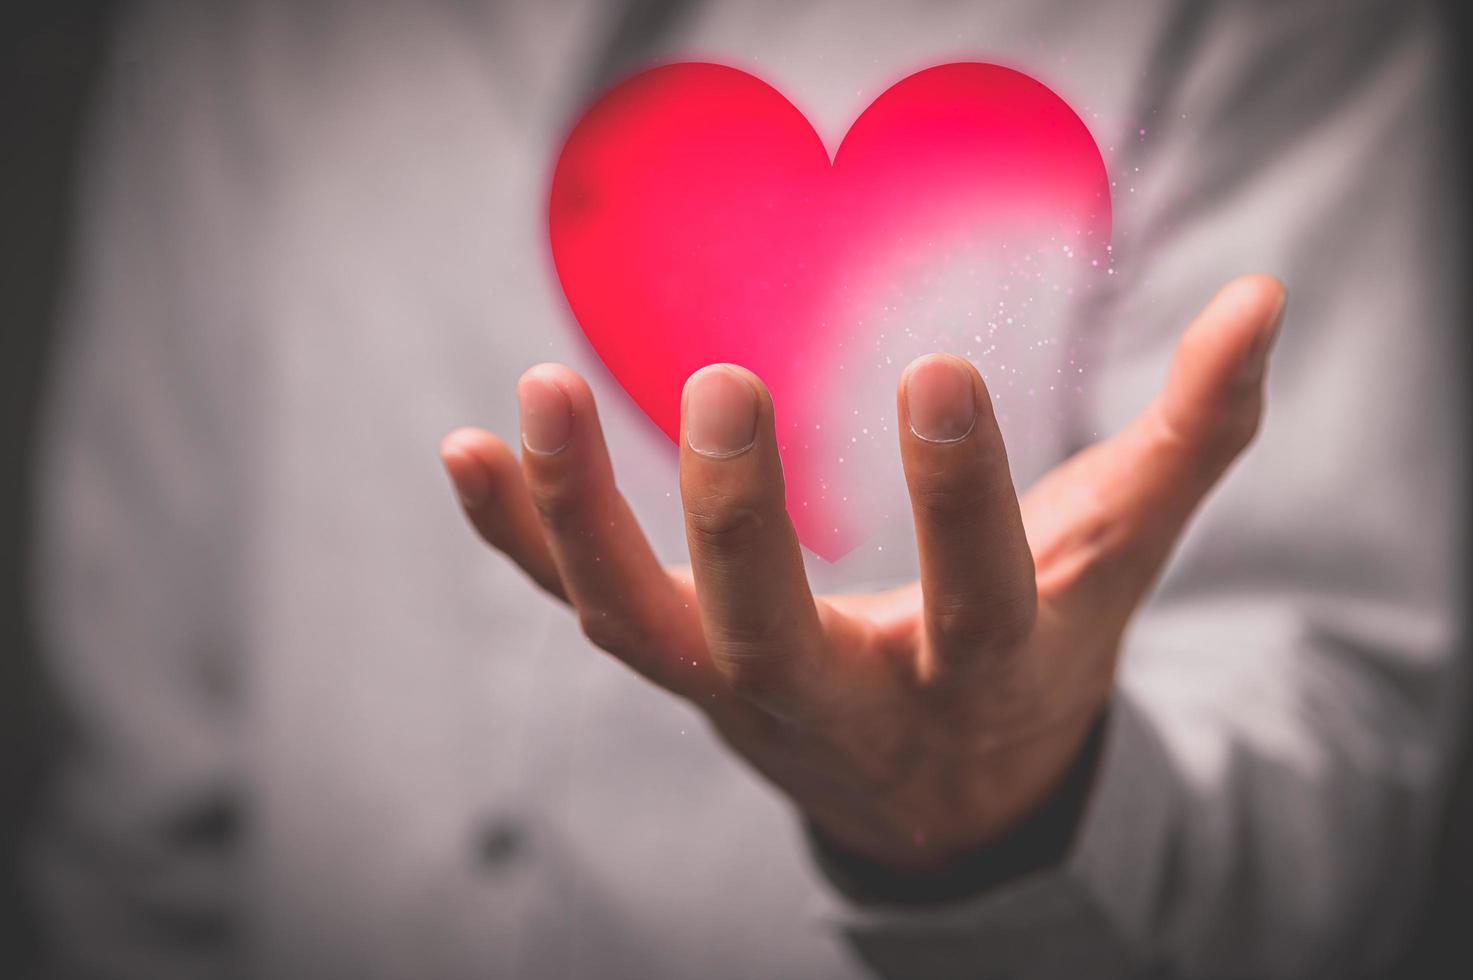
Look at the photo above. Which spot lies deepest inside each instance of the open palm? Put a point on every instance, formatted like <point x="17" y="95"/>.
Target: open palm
<point x="909" y="726"/>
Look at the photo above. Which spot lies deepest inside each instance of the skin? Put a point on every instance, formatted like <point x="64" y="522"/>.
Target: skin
<point x="910" y="726"/>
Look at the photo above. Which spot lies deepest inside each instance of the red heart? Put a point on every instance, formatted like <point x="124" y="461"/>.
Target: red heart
<point x="695" y="217"/>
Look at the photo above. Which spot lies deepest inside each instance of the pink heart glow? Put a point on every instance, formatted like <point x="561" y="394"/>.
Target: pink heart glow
<point x="695" y="217"/>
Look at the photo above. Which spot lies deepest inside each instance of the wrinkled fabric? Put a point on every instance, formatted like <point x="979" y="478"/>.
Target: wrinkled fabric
<point x="320" y="731"/>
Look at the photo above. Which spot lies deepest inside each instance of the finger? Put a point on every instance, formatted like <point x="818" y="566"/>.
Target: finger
<point x="495" y="500"/>
<point x="1206" y="414"/>
<point x="626" y="602"/>
<point x="759" y="617"/>
<point x="1211" y="404"/>
<point x="1142" y="486"/>
<point x="976" y="569"/>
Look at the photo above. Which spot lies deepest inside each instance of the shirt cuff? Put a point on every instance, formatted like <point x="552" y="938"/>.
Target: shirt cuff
<point x="1080" y="914"/>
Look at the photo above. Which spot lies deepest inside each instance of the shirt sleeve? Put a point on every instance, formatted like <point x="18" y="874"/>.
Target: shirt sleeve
<point x="1275" y="755"/>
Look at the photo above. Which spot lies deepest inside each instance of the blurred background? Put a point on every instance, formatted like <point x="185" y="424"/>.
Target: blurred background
<point x="51" y="56"/>
<point x="54" y="59"/>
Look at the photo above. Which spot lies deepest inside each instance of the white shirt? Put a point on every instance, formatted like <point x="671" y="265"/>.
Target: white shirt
<point x="325" y="733"/>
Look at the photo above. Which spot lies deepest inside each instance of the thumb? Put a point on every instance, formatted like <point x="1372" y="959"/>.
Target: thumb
<point x="1108" y="518"/>
<point x="1212" y="402"/>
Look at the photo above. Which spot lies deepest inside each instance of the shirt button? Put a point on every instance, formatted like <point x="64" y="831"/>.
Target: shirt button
<point x="500" y="842"/>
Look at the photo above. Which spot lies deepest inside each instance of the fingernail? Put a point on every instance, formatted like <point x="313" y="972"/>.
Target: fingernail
<point x="721" y="413"/>
<point x="940" y="399"/>
<point x="467" y="475"/>
<point x="1255" y="362"/>
<point x="547" y="415"/>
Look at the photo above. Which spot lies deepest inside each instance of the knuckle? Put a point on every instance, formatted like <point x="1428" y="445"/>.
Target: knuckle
<point x="1013" y="627"/>
<point x="610" y="632"/>
<point x="756" y="676"/>
<point x="1240" y="428"/>
<point x="559" y="509"/>
<point x="753" y="683"/>
<point x="725" y="522"/>
<point x="1232" y="432"/>
<point x="970" y="624"/>
<point x="947" y="500"/>
<point x="1226" y="431"/>
<point x="1234" y="423"/>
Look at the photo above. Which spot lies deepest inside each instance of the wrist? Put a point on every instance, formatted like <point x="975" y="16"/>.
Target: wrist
<point x="1040" y="840"/>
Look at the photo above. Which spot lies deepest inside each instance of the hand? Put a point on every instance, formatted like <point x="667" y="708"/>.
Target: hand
<point x="910" y="726"/>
